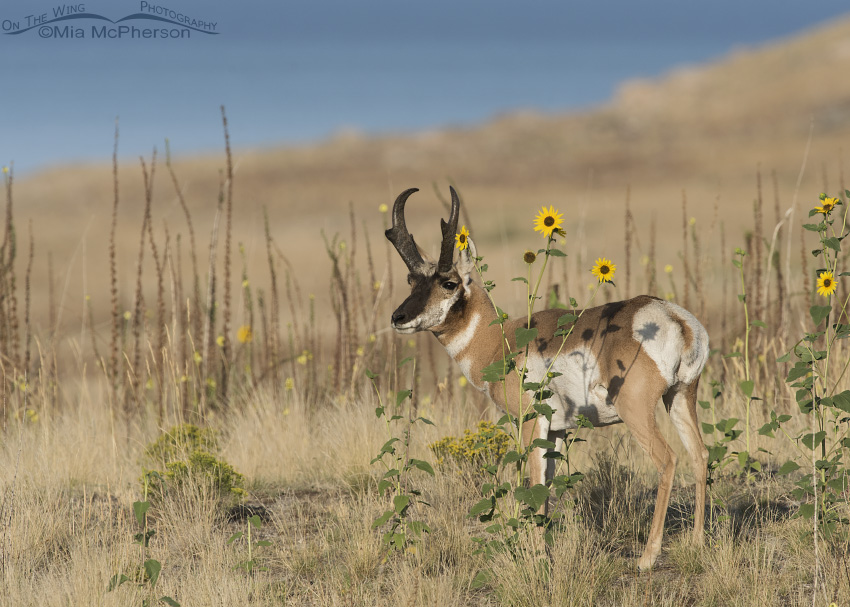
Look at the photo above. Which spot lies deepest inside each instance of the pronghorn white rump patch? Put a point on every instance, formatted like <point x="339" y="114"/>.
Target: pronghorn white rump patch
<point x="695" y="357"/>
<point x="657" y="329"/>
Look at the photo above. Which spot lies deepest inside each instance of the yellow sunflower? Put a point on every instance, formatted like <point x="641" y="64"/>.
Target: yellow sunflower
<point x="462" y="238"/>
<point x="827" y="204"/>
<point x="548" y="221"/>
<point x="604" y="269"/>
<point x="826" y="284"/>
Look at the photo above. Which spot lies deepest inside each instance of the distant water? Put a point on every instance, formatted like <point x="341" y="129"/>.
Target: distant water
<point x="59" y="98"/>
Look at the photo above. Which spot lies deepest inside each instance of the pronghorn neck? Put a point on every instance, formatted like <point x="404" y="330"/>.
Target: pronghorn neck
<point x="467" y="334"/>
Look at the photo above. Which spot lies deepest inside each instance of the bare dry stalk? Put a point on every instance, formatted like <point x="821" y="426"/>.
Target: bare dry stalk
<point x="373" y="279"/>
<point x="293" y="292"/>
<point x="758" y="244"/>
<point x="274" y="313"/>
<point x="686" y="302"/>
<point x="193" y="250"/>
<point x="264" y="320"/>
<point x="725" y="296"/>
<point x="651" y="267"/>
<point x="779" y="315"/>
<point x="804" y="261"/>
<point x="209" y="318"/>
<point x="138" y="314"/>
<point x="182" y="322"/>
<point x="27" y="303"/>
<point x="353" y="277"/>
<point x="340" y="302"/>
<point x="8" y="286"/>
<point x="248" y="302"/>
<point x="699" y="285"/>
<point x="629" y="226"/>
<point x="226" y="346"/>
<point x="160" y="343"/>
<point x="52" y="314"/>
<point x="113" y="372"/>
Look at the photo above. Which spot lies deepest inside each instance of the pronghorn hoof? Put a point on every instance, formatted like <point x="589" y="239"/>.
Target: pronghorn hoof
<point x="645" y="563"/>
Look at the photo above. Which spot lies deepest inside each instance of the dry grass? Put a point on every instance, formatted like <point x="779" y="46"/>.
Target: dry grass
<point x="71" y="525"/>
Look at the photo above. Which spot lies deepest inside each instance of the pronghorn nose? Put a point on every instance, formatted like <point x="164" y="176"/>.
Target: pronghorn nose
<point x="398" y="317"/>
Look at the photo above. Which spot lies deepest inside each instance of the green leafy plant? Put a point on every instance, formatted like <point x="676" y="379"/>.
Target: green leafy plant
<point x="147" y="574"/>
<point x="508" y="507"/>
<point x="826" y="443"/>
<point x="724" y="431"/>
<point x="402" y="531"/>
<point x="251" y="564"/>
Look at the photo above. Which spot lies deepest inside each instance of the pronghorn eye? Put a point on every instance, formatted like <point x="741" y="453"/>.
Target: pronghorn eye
<point x="449" y="285"/>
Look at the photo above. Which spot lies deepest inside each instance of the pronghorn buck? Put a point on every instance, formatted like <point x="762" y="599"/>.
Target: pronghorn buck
<point x="617" y="362"/>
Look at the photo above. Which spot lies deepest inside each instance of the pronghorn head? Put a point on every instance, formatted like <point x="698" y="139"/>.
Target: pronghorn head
<point x="436" y="287"/>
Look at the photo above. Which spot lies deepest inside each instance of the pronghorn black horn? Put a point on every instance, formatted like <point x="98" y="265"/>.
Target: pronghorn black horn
<point x="449" y="229"/>
<point x="401" y="238"/>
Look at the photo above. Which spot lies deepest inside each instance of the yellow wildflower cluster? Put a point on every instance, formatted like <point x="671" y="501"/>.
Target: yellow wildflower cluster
<point x="306" y="355"/>
<point x="483" y="447"/>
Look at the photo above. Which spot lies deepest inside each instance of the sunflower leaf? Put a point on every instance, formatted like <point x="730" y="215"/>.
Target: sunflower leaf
<point x="819" y="313"/>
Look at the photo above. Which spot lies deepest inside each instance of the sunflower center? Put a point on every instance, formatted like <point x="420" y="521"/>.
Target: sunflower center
<point x="827" y="283"/>
<point x="462" y="238"/>
<point x="604" y="269"/>
<point x="549" y="221"/>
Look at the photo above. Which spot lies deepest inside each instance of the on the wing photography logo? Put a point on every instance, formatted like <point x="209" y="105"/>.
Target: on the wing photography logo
<point x="72" y="21"/>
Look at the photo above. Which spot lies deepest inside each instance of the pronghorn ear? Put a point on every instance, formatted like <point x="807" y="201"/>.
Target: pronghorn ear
<point x="466" y="259"/>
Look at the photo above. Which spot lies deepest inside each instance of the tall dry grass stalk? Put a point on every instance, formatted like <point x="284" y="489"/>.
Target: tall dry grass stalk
<point x="28" y="304"/>
<point x="113" y="370"/>
<point x="629" y="229"/>
<point x="758" y="246"/>
<point x="207" y="384"/>
<point x="273" y="332"/>
<point x="195" y="308"/>
<point x="228" y="232"/>
<point x="686" y="300"/>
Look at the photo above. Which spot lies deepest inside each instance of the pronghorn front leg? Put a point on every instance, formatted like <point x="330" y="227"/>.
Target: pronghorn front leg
<point x="541" y="469"/>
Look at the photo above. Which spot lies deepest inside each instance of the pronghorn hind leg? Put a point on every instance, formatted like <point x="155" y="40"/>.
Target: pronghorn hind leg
<point x="682" y="405"/>
<point x="636" y="407"/>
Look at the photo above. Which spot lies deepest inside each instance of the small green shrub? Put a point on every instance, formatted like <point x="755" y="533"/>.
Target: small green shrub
<point x="187" y="455"/>
<point x="486" y="446"/>
<point x="180" y="442"/>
